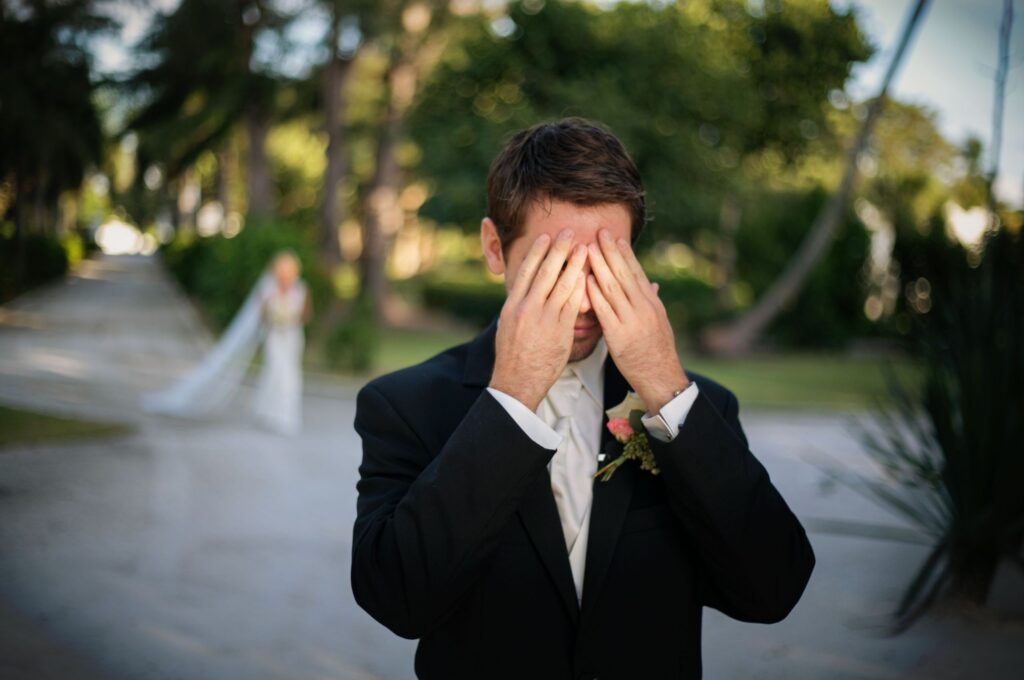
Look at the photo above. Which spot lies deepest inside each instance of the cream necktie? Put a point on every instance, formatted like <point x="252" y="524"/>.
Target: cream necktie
<point x="571" y="467"/>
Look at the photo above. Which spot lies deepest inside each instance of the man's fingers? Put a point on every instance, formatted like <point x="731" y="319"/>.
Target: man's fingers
<point x="617" y="263"/>
<point x="629" y="257"/>
<point x="550" y="267"/>
<point x="571" y="309"/>
<point x="610" y="287"/>
<point x="567" y="279"/>
<point x="605" y="314"/>
<point x="528" y="268"/>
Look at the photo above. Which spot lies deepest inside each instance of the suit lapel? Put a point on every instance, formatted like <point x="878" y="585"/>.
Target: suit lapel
<point x="537" y="510"/>
<point x="539" y="516"/>
<point x="611" y="498"/>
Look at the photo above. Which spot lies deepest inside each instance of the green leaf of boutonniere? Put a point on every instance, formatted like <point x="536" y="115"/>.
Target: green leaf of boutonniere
<point x="625" y="424"/>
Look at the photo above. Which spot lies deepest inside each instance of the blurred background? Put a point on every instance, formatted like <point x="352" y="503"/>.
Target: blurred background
<point x="837" y="193"/>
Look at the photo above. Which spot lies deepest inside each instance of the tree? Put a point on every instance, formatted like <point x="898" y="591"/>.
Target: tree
<point x="695" y="91"/>
<point x="203" y="80"/>
<point x="743" y="332"/>
<point x="50" y="130"/>
<point x="408" y="34"/>
<point x="346" y="39"/>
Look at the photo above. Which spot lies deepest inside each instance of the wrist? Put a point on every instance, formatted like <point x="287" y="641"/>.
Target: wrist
<point x="526" y="397"/>
<point x="656" y="396"/>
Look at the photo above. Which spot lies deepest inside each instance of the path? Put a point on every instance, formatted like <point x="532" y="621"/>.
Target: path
<point x="218" y="551"/>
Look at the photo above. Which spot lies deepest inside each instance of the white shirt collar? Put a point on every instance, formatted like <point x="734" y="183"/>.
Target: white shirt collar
<point x="590" y="371"/>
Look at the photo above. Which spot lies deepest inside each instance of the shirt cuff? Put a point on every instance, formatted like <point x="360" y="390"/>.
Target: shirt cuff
<point x="664" y="425"/>
<point x="531" y="423"/>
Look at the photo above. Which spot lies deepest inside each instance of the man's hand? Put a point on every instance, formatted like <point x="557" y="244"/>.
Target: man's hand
<point x="535" y="332"/>
<point x="635" y="324"/>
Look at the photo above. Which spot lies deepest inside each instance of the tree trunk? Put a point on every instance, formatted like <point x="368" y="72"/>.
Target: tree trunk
<point x="20" y="226"/>
<point x="332" y="210"/>
<point x="382" y="214"/>
<point x="259" y="185"/>
<point x="226" y="178"/>
<point x="741" y="334"/>
<point x="1005" y="25"/>
<point x="728" y="225"/>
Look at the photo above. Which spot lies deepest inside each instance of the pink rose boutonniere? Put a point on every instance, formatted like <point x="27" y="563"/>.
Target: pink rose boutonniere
<point x="625" y="425"/>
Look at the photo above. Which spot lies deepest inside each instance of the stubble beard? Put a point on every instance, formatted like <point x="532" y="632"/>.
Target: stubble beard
<point x="583" y="347"/>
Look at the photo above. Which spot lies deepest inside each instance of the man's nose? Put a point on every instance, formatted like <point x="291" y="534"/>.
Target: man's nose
<point x="585" y="304"/>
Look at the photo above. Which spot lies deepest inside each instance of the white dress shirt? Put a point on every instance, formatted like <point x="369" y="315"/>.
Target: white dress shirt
<point x="587" y="418"/>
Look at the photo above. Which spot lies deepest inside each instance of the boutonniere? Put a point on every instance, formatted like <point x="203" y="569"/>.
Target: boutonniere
<point x="625" y="425"/>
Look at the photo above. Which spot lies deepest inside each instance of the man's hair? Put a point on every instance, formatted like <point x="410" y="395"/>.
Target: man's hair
<point x="574" y="160"/>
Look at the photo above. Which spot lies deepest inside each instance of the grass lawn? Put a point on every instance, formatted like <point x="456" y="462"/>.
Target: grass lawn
<point x="785" y="381"/>
<point x="804" y="381"/>
<point x="18" y="426"/>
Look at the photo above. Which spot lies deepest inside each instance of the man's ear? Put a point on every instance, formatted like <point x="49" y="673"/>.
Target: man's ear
<point x="491" y="243"/>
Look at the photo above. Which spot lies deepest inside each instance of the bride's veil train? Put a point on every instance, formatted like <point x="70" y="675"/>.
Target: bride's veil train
<point x="208" y="387"/>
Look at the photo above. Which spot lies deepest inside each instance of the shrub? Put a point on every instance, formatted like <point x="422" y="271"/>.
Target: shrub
<point x="829" y="309"/>
<point x="43" y="259"/>
<point x="219" y="272"/>
<point x="465" y="293"/>
<point x="952" y="451"/>
<point x="351" y="345"/>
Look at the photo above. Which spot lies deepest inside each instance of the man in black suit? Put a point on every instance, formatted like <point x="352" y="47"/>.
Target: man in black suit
<point x="481" y="528"/>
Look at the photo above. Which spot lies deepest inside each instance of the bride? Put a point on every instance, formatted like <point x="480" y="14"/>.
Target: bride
<point x="273" y="314"/>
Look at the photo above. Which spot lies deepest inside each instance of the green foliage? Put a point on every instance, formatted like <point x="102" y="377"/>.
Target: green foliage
<point x="829" y="309"/>
<point x="42" y="259"/>
<point x="466" y="294"/>
<point x="691" y="88"/>
<point x="219" y="272"/>
<point x="691" y="303"/>
<point x="50" y="130"/>
<point x="199" y="76"/>
<point x="952" y="450"/>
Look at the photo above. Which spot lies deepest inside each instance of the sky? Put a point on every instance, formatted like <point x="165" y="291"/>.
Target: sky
<point x="949" y="68"/>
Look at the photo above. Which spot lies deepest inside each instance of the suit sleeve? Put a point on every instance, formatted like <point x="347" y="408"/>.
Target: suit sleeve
<point x="756" y="559"/>
<point x="425" y="522"/>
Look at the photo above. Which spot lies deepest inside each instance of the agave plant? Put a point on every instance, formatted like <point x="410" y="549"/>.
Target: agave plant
<point x="952" y="448"/>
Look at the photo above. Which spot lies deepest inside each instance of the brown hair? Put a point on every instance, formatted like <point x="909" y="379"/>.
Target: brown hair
<point x="573" y="160"/>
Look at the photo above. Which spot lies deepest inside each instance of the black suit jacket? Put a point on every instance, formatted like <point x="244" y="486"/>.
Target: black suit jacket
<point x="457" y="539"/>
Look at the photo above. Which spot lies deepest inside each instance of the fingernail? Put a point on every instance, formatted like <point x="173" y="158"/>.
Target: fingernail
<point x="622" y="242"/>
<point x="565" y="234"/>
<point x="605" y="234"/>
<point x="543" y="238"/>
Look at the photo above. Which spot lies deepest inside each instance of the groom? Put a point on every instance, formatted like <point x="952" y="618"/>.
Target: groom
<point x="480" y="527"/>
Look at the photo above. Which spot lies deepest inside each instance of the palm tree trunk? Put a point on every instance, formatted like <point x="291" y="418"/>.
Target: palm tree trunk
<point x="1005" y="25"/>
<point x="741" y="334"/>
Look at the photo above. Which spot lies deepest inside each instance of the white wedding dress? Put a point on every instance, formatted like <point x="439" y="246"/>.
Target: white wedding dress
<point x="271" y="317"/>
<point x="278" y="399"/>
